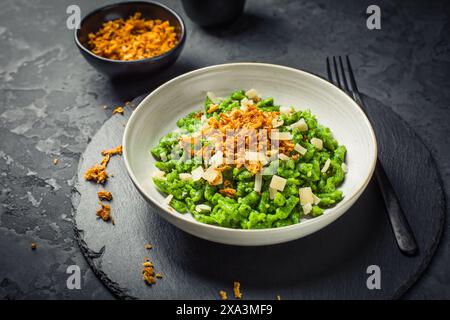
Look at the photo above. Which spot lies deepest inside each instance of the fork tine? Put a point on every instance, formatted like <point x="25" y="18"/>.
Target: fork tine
<point x="336" y="72"/>
<point x="330" y="77"/>
<point x="344" y="78"/>
<point x="351" y="75"/>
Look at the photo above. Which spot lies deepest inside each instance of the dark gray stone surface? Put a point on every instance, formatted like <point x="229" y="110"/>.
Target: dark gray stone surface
<point x="51" y="104"/>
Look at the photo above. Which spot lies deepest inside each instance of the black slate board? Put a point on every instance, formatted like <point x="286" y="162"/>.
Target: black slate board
<point x="330" y="264"/>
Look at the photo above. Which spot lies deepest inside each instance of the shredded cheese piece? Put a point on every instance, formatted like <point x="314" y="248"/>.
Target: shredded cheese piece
<point x="272" y="193"/>
<point x="168" y="199"/>
<point x="306" y="196"/>
<point x="300" y="149"/>
<point x="258" y="182"/>
<point x="275" y="135"/>
<point x="284" y="157"/>
<point x="197" y="173"/>
<point x="185" y="176"/>
<point x="252" y="94"/>
<point x="326" y="166"/>
<point x="202" y="207"/>
<point x="277" y="183"/>
<point x="307" y="208"/>
<point x="300" y="125"/>
<point x="317" y="143"/>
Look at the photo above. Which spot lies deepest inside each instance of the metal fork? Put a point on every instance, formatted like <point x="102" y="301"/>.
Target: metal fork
<point x="400" y="226"/>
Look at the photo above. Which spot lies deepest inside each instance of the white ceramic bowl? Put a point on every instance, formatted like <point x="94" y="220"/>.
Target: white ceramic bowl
<point x="158" y="112"/>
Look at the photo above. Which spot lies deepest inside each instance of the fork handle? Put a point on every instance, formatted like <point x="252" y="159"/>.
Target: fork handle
<point x="400" y="226"/>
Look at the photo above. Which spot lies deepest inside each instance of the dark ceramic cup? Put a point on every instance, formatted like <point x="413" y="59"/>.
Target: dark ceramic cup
<point x="209" y="13"/>
<point x="117" y="69"/>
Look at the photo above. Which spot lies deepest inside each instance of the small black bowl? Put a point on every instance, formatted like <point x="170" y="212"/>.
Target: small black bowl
<point x="213" y="13"/>
<point x="117" y="69"/>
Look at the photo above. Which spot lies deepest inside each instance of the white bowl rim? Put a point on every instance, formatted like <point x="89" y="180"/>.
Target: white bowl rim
<point x="301" y="224"/>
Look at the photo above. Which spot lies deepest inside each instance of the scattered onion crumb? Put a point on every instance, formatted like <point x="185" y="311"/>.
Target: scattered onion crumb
<point x="33" y="246"/>
<point x="104" y="195"/>
<point x="118" y="110"/>
<point x="158" y="275"/>
<point x="223" y="295"/>
<point x="148" y="246"/>
<point x="113" y="151"/>
<point x="104" y="212"/>
<point x="55" y="161"/>
<point x="148" y="273"/>
<point x="278" y="297"/>
<point x="237" y="290"/>
<point x="228" y="192"/>
<point x="96" y="173"/>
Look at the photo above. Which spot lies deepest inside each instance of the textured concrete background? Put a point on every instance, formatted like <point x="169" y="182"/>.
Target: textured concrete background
<point x="51" y="103"/>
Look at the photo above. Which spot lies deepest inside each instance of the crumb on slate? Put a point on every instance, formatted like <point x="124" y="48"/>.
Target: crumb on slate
<point x="104" y="195"/>
<point x="148" y="273"/>
<point x="55" y="161"/>
<point x="223" y="295"/>
<point x="104" y="212"/>
<point x="97" y="173"/>
<point x="148" y="246"/>
<point x="237" y="290"/>
<point x="33" y="246"/>
<point x="118" y="110"/>
<point x="113" y="151"/>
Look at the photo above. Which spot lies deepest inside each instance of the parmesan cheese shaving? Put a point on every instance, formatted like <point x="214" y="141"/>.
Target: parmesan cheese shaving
<point x="213" y="176"/>
<point x="275" y="135"/>
<point x="317" y="143"/>
<point x="300" y="149"/>
<point x="307" y="208"/>
<point x="168" y="199"/>
<point x="277" y="183"/>
<point x="344" y="167"/>
<point x="185" y="176"/>
<point x="252" y="94"/>
<point x="277" y="123"/>
<point x="212" y="96"/>
<point x="159" y="174"/>
<point x="272" y="193"/>
<point x="246" y="102"/>
<point x="258" y="182"/>
<point x="217" y="159"/>
<point x="300" y="125"/>
<point x="316" y="199"/>
<point x="202" y="207"/>
<point x="282" y="156"/>
<point x="286" y="109"/>
<point x="197" y="173"/>
<point x="306" y="196"/>
<point x="326" y="166"/>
